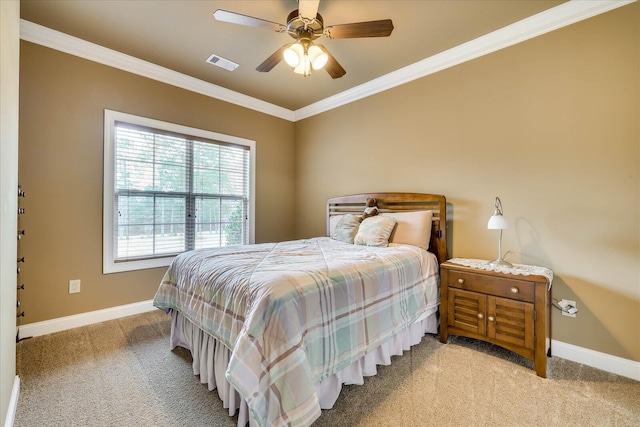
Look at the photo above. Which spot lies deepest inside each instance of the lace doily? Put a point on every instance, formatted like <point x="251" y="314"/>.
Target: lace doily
<point x="517" y="269"/>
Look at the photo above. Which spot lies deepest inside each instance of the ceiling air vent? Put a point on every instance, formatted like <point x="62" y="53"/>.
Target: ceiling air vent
<point x="222" y="62"/>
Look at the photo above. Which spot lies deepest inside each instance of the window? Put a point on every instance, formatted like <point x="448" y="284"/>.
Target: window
<point x="170" y="188"/>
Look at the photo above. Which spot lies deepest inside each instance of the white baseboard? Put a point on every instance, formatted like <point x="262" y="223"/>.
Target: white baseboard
<point x="13" y="403"/>
<point x="595" y="359"/>
<point x="606" y="362"/>
<point x="70" y="322"/>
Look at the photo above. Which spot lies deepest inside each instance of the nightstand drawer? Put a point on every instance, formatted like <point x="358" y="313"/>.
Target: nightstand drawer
<point x="508" y="288"/>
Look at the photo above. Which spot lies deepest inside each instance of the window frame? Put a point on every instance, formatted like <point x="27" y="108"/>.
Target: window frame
<point x="109" y="264"/>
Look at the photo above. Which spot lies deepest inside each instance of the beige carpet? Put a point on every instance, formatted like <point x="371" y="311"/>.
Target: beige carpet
<point x="122" y="373"/>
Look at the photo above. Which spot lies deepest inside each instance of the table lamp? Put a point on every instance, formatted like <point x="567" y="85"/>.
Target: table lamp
<point x="498" y="222"/>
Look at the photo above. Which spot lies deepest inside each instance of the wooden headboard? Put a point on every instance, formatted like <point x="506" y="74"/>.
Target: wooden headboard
<point x="399" y="202"/>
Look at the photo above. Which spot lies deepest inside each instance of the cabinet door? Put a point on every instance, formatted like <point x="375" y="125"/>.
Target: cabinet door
<point x="466" y="311"/>
<point x="510" y="321"/>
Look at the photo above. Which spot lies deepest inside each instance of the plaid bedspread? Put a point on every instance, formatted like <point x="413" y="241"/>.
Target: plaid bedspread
<point x="296" y="312"/>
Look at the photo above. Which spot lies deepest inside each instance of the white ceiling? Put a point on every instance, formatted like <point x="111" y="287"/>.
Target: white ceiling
<point x="180" y="36"/>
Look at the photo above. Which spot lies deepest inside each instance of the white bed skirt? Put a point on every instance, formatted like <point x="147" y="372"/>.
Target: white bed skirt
<point x="211" y="358"/>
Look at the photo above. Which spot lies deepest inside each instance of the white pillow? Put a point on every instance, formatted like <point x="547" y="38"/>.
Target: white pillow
<point x="375" y="231"/>
<point x="413" y="228"/>
<point x="333" y="221"/>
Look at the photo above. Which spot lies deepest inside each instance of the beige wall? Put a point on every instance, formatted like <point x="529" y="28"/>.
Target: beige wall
<point x="62" y="102"/>
<point x="550" y="126"/>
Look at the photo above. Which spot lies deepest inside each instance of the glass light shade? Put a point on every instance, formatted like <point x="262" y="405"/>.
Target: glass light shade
<point x="497" y="222"/>
<point x="304" y="67"/>
<point x="317" y="57"/>
<point x="293" y="55"/>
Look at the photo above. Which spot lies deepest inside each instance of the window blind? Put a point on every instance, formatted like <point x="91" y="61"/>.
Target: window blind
<point x="173" y="193"/>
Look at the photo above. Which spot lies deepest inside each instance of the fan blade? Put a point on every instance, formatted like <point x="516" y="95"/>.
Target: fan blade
<point x="249" y="21"/>
<point x="308" y="9"/>
<point x="381" y="28"/>
<point x="273" y="60"/>
<point x="332" y="66"/>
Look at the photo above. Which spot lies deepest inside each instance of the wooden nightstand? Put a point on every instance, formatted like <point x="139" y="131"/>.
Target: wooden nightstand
<point x="503" y="308"/>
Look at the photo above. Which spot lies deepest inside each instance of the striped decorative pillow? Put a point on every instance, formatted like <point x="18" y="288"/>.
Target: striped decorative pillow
<point x="375" y="231"/>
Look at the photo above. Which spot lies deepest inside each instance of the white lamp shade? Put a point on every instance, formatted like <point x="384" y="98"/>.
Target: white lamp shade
<point x="497" y="222"/>
<point x="304" y="67"/>
<point x="317" y="57"/>
<point x="293" y="54"/>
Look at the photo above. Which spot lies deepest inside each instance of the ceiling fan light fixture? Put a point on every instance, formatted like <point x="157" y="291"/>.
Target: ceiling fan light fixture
<point x="293" y="54"/>
<point x="304" y="56"/>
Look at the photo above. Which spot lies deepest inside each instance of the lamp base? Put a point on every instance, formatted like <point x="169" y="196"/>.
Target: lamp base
<point x="501" y="263"/>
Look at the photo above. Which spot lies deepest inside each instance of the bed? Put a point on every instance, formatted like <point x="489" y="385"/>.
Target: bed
<point x="278" y="328"/>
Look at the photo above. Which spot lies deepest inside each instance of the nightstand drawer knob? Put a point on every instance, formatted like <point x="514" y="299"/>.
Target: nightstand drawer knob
<point x="461" y="281"/>
<point x="491" y="318"/>
<point x="480" y="316"/>
<point x="514" y="290"/>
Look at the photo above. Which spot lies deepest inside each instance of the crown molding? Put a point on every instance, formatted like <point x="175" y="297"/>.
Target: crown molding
<point x="57" y="40"/>
<point x="560" y="16"/>
<point x="552" y="19"/>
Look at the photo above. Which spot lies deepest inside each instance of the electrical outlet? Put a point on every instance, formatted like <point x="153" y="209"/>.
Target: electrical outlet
<point x="74" y="286"/>
<point x="565" y="310"/>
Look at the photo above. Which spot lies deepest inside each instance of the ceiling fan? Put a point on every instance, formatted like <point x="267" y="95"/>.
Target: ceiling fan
<point x="306" y="25"/>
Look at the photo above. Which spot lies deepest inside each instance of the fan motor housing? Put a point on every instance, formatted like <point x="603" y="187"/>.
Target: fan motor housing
<point x="297" y="25"/>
